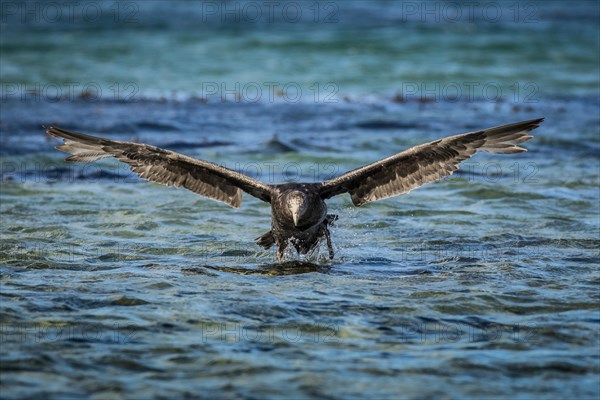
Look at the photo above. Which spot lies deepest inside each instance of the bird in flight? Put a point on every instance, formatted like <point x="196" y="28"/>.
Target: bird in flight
<point x="299" y="213"/>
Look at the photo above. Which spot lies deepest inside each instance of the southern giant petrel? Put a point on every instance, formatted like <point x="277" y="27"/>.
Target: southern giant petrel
<point x="298" y="210"/>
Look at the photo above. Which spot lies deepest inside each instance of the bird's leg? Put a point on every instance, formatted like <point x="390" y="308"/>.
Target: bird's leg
<point x="281" y="245"/>
<point x="328" y="240"/>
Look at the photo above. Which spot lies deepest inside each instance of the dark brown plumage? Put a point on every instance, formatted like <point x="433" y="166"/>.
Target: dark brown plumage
<point x="299" y="211"/>
<point x="165" y="167"/>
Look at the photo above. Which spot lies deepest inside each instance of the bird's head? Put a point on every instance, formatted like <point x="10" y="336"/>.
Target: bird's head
<point x="296" y="203"/>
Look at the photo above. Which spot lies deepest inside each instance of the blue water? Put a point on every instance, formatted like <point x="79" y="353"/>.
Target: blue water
<point x="484" y="285"/>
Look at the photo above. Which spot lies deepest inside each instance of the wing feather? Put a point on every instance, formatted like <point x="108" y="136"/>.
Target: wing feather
<point x="164" y="167"/>
<point x="426" y="163"/>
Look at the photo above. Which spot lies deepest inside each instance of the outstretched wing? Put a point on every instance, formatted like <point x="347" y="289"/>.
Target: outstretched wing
<point x="165" y="167"/>
<point x="426" y="163"/>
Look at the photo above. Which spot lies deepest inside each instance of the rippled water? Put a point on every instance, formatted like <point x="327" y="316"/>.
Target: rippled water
<point x="482" y="285"/>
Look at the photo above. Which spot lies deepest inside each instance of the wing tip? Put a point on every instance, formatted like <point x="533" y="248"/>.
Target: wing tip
<point x="72" y="135"/>
<point x="53" y="130"/>
<point x="534" y="123"/>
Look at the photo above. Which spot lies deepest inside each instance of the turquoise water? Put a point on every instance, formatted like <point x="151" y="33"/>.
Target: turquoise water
<point x="484" y="285"/>
<point x="362" y="48"/>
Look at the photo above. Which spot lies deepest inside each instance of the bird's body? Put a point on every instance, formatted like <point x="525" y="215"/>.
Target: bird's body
<point x="299" y="217"/>
<point x="299" y="212"/>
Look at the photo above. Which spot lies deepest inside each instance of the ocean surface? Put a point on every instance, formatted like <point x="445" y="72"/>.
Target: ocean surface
<point x="483" y="285"/>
